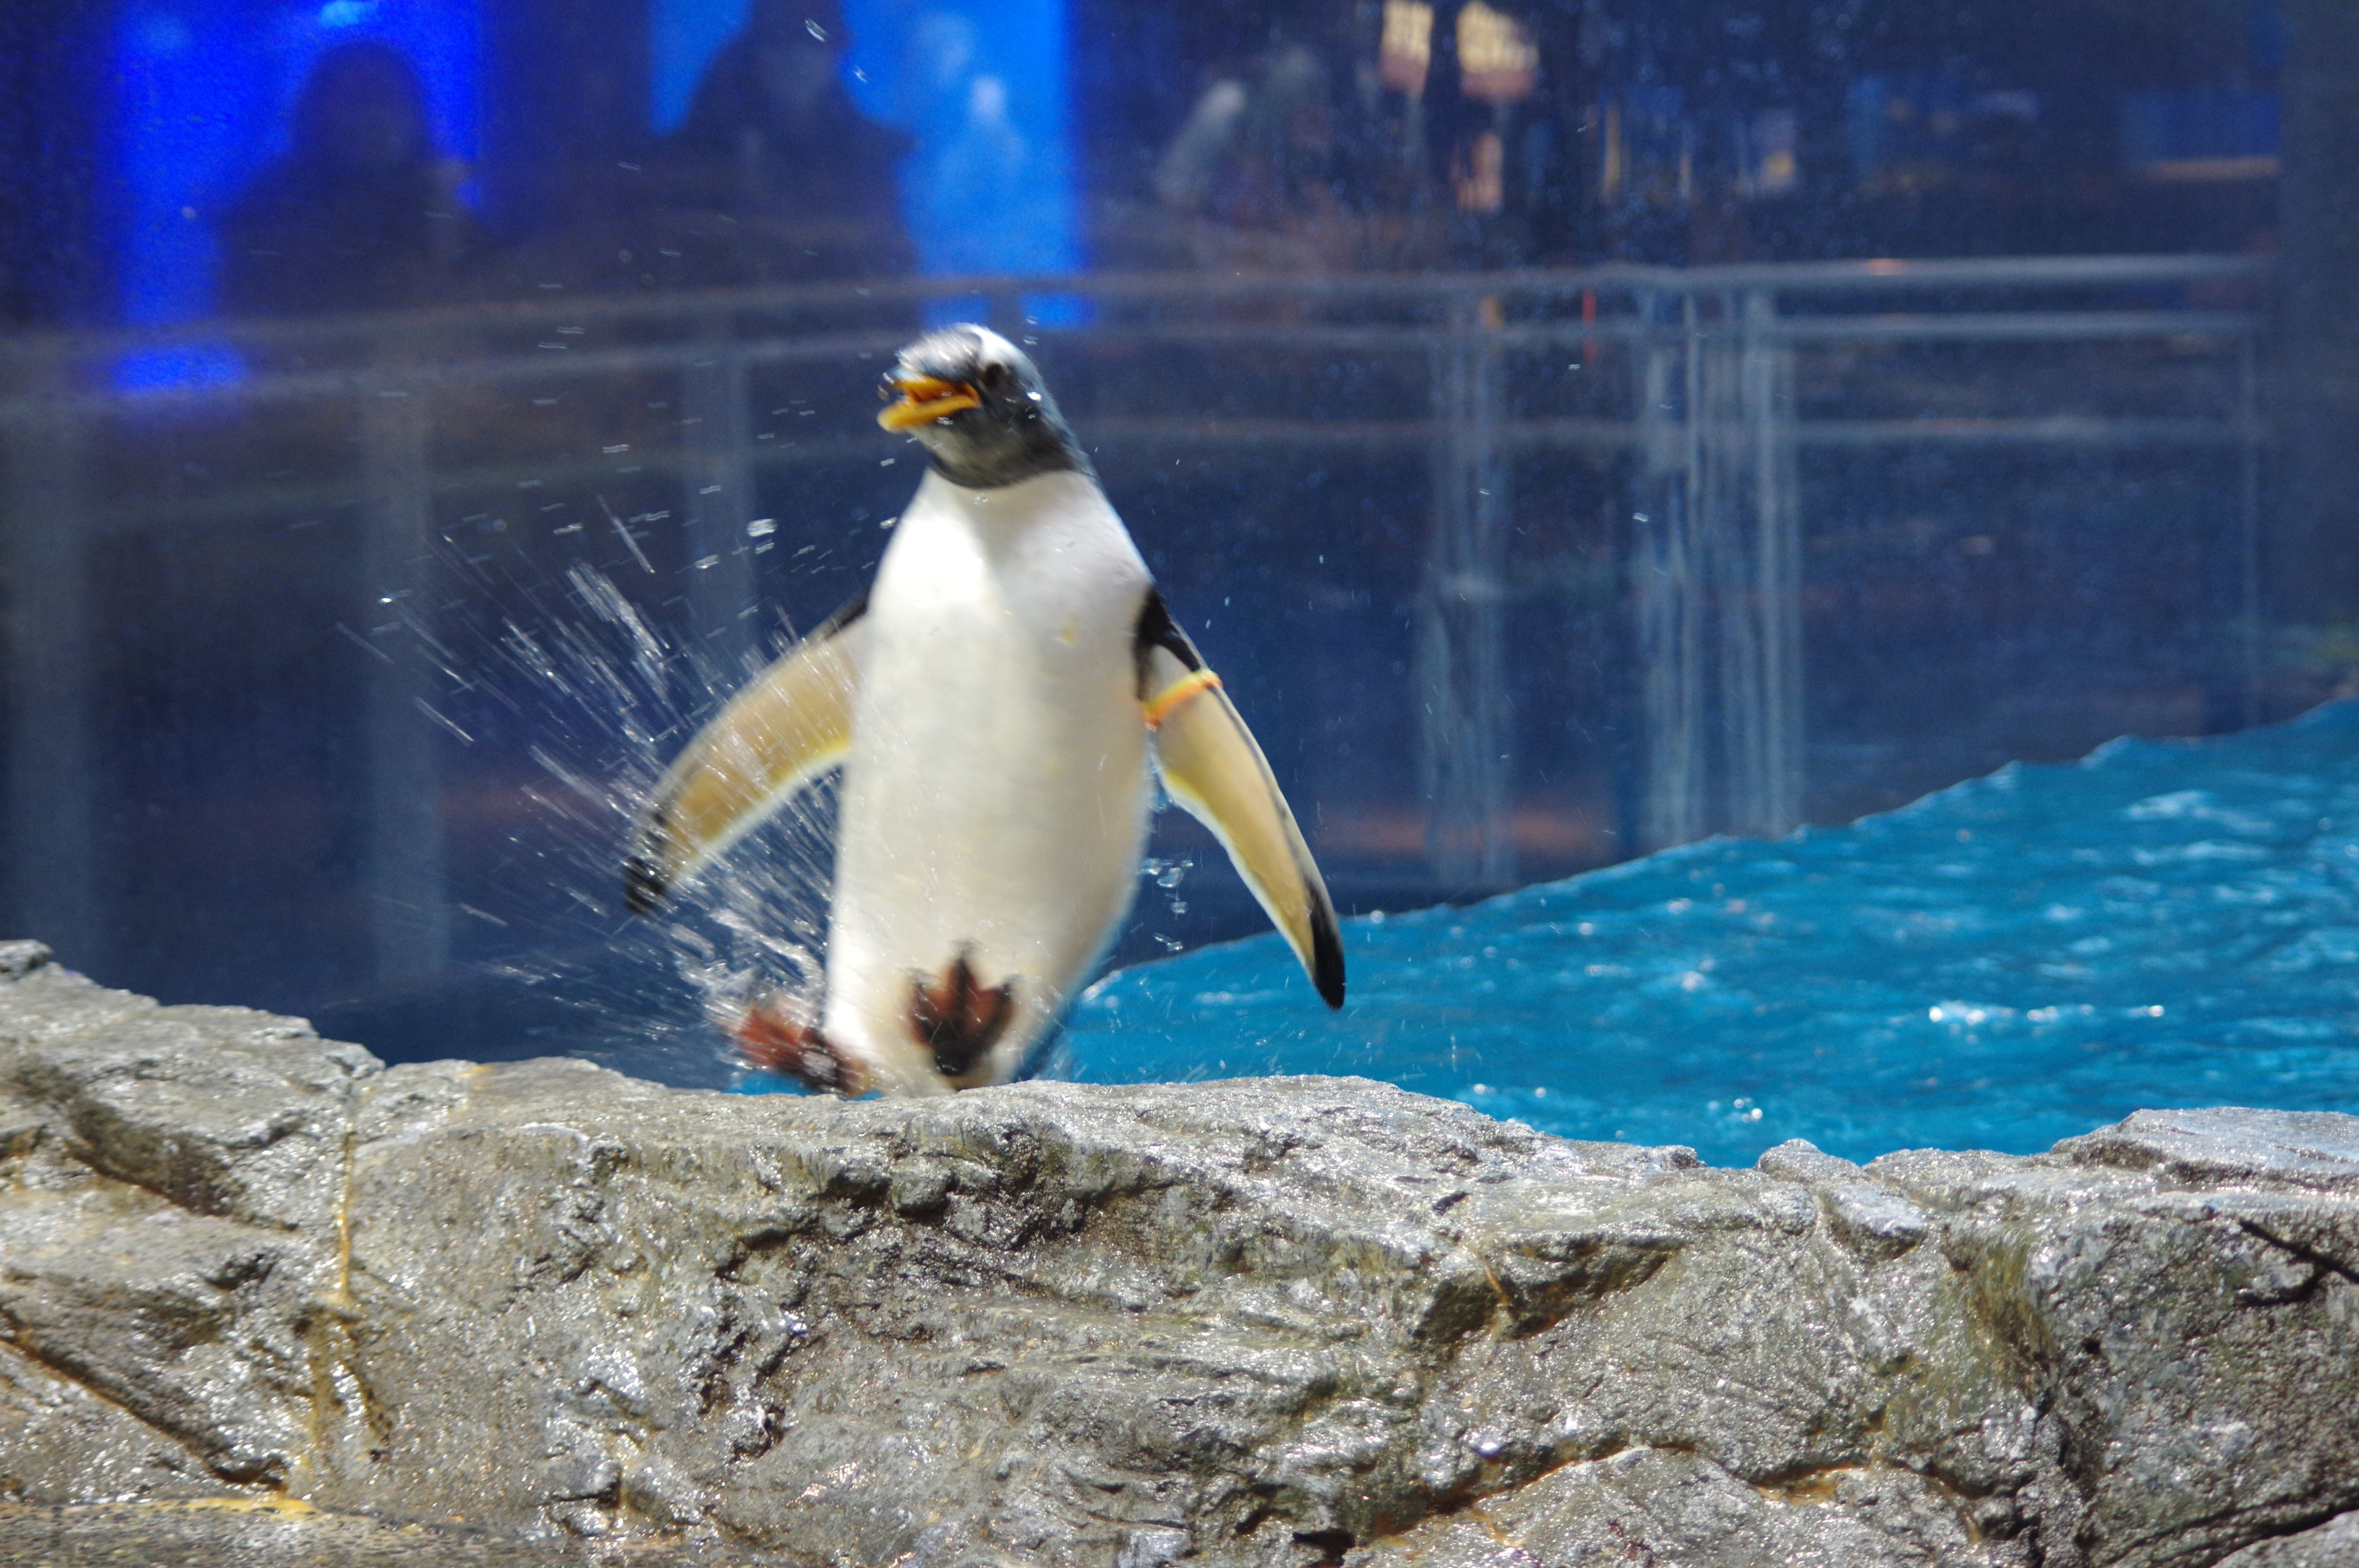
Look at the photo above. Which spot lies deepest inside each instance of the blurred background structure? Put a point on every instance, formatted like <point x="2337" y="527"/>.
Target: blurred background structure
<point x="1576" y="427"/>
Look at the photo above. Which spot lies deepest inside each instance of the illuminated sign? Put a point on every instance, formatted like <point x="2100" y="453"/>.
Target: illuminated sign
<point x="1497" y="62"/>
<point x="1406" y="52"/>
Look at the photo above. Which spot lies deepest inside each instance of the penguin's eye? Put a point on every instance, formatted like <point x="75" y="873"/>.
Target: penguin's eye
<point x="995" y="378"/>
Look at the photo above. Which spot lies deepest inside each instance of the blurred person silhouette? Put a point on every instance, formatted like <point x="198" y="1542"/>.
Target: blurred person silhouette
<point x="1268" y="176"/>
<point x="774" y="142"/>
<point x="970" y="177"/>
<point x="1253" y="165"/>
<point x="986" y="196"/>
<point x="363" y="212"/>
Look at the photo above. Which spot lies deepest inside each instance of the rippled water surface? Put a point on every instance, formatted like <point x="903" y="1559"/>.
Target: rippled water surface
<point x="2017" y="959"/>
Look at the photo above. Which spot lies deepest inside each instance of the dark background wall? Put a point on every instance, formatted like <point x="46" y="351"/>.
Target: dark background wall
<point x="567" y="102"/>
<point x="2314" y="567"/>
<point x="55" y="263"/>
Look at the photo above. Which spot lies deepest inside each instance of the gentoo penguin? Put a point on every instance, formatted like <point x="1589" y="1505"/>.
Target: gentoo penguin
<point x="993" y="701"/>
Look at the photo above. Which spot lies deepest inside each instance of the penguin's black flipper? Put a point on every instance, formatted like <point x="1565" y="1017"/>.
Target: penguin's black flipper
<point x="1213" y="767"/>
<point x="791" y="725"/>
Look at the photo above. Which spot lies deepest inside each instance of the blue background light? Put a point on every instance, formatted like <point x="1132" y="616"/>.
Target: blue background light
<point x="983" y="86"/>
<point x="208" y="91"/>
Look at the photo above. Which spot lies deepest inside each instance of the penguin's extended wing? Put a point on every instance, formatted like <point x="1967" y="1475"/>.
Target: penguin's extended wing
<point x="1213" y="767"/>
<point x="775" y="737"/>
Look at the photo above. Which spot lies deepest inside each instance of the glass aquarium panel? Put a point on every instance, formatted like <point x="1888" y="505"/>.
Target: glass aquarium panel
<point x="1575" y="430"/>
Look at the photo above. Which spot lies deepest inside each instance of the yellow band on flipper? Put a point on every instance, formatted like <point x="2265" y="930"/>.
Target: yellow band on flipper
<point x="1178" y="692"/>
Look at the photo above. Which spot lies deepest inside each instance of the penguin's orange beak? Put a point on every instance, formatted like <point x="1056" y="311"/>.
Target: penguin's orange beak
<point x="923" y="400"/>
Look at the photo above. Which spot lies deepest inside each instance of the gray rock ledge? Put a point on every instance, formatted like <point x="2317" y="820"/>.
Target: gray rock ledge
<point x="1277" y="1322"/>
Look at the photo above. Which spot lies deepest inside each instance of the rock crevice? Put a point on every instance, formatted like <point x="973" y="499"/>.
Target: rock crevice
<point x="1264" y="1322"/>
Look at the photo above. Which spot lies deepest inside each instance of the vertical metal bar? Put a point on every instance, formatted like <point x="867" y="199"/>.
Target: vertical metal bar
<point x="1665" y="591"/>
<point x="1777" y="565"/>
<point x="1723" y="521"/>
<point x="1489" y="476"/>
<point x="1719" y="597"/>
<point x="1694" y="580"/>
<point x="54" y="891"/>
<point x="1465" y="722"/>
<point x="1444" y="723"/>
<point x="718" y="473"/>
<point x="2248" y="552"/>
<point x="409" y="909"/>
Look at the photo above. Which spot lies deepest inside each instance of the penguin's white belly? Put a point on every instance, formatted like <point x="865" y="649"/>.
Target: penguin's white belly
<point x="994" y="803"/>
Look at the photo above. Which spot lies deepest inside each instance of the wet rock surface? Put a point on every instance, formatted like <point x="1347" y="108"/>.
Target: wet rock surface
<point x="1277" y="1322"/>
<point x="237" y="1534"/>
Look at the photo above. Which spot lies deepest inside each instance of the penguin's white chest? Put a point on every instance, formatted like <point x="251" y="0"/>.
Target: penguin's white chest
<point x="994" y="805"/>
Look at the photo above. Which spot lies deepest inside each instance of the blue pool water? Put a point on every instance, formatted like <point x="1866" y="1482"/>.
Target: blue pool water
<point x="2017" y="959"/>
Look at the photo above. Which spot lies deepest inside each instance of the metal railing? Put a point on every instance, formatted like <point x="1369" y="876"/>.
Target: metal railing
<point x="1697" y="397"/>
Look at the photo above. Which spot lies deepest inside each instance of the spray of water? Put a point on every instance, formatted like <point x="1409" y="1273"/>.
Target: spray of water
<point x="561" y="683"/>
<point x="570" y="699"/>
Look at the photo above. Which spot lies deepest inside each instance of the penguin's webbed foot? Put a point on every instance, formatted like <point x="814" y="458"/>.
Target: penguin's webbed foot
<point x="774" y="1042"/>
<point x="957" y="1020"/>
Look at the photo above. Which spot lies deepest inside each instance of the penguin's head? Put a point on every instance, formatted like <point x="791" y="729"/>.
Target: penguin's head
<point x="975" y="401"/>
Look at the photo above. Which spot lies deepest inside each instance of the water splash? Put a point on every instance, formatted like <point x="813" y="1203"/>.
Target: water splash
<point x="574" y="698"/>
